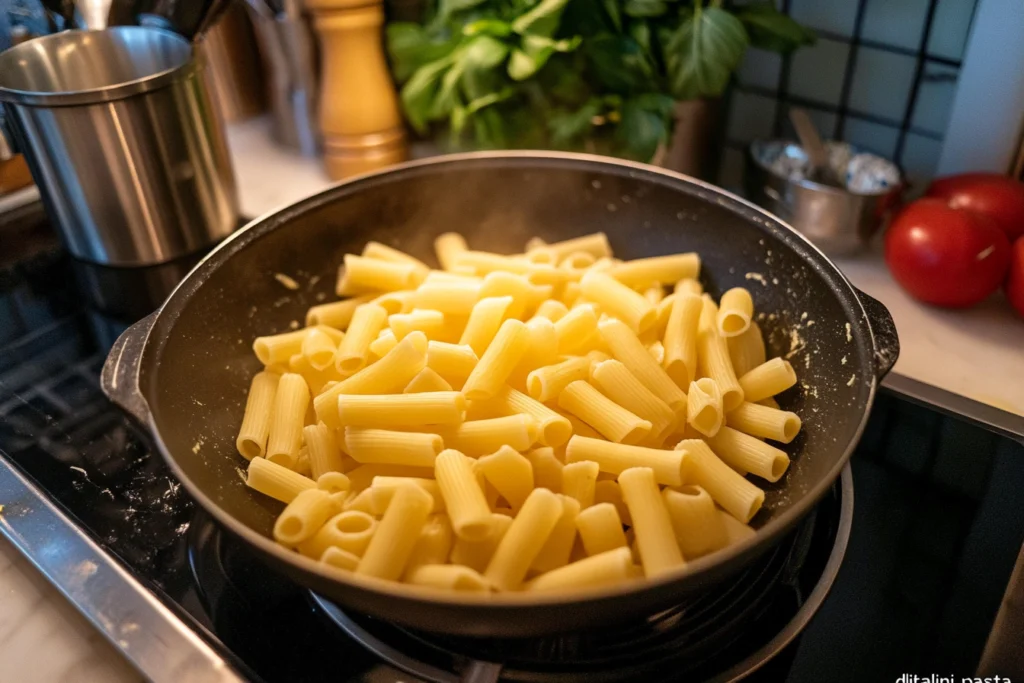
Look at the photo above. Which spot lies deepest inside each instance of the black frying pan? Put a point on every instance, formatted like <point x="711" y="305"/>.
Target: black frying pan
<point x="183" y="372"/>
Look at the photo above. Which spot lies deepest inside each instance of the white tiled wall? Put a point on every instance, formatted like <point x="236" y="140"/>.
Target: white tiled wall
<point x="882" y="75"/>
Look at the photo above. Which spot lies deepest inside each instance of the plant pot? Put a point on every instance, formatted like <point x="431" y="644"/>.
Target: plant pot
<point x="693" y="148"/>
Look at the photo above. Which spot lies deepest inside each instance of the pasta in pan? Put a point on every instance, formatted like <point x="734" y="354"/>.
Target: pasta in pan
<point x="546" y="421"/>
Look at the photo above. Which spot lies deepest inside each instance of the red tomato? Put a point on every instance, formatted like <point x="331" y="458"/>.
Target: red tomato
<point x="997" y="196"/>
<point x="945" y="256"/>
<point x="1015" y="281"/>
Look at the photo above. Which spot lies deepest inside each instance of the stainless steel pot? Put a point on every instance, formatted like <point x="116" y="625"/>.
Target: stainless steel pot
<point x="838" y="221"/>
<point x="123" y="141"/>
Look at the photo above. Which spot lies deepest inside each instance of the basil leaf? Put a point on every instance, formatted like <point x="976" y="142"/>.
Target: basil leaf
<point x="449" y="7"/>
<point x="619" y="63"/>
<point x="565" y="127"/>
<point x="542" y="20"/>
<point x="484" y="52"/>
<point x="410" y="47"/>
<point x="770" y="29"/>
<point x="490" y="27"/>
<point x="447" y="97"/>
<point x="487" y="100"/>
<point x="535" y="53"/>
<point x="703" y="52"/>
<point x="645" y="8"/>
<point x="644" y="125"/>
<point x="419" y="92"/>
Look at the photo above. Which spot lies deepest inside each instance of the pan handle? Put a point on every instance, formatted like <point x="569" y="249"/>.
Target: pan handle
<point x="883" y="329"/>
<point x="120" y="376"/>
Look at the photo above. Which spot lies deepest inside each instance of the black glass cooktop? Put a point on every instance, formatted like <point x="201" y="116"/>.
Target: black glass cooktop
<point x="937" y="525"/>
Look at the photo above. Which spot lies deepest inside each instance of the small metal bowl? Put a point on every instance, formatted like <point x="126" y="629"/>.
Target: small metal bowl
<point x="839" y="221"/>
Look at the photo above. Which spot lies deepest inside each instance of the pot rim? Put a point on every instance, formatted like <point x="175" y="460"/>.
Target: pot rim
<point x="9" y="60"/>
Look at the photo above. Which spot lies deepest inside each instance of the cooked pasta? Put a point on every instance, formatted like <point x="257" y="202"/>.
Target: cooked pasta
<point x="668" y="466"/>
<point x="744" y="453"/>
<point x="497" y="362"/>
<point x="704" y="406"/>
<point x="389" y="410"/>
<point x="739" y="497"/>
<point x="522" y="543"/>
<point x="765" y="422"/>
<point x="600" y="528"/>
<point x="385" y="447"/>
<point x="505" y="424"/>
<point x="652" y="525"/>
<point x="556" y="550"/>
<point x="665" y="270"/>
<point x="448" y="246"/>
<point x="619" y="300"/>
<point x="463" y="496"/>
<point x="766" y="380"/>
<point x="681" y="338"/>
<point x="427" y="380"/>
<point x="324" y="454"/>
<point x="252" y="435"/>
<point x="276" y="481"/>
<point x="396" y="535"/>
<point x="336" y="314"/>
<point x="698" y="527"/>
<point x="286" y="419"/>
<point x="747" y="350"/>
<point x="578" y="480"/>
<point x="627" y="348"/>
<point x="735" y="311"/>
<point x="476" y="554"/>
<point x="620" y="385"/>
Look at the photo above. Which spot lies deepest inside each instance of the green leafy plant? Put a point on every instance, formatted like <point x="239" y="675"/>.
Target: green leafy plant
<point x="600" y="75"/>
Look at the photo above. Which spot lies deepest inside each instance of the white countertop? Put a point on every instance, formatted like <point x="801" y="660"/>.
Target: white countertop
<point x="977" y="353"/>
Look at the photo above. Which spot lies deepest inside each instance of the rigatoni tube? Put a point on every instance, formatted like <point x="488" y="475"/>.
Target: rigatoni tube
<point x="397" y="534"/>
<point x="681" y="338"/>
<point x="252" y="435"/>
<point x="498" y="361"/>
<point x="287" y="418"/>
<point x="463" y="496"/>
<point x="768" y="379"/>
<point x="655" y="538"/>
<point x="276" y="481"/>
<point x="610" y="567"/>
<point x="390" y="374"/>
<point x="324" y="454"/>
<point x="698" y="527"/>
<point x="388" y="410"/>
<point x="600" y="412"/>
<point x="704" y="406"/>
<point x="745" y="453"/>
<point x="619" y="300"/>
<point x="303" y="517"/>
<point x="616" y="382"/>
<point x="728" y="488"/>
<point x="510" y="473"/>
<point x="627" y="348"/>
<point x="765" y="422"/>
<point x="480" y="437"/>
<point x="668" y="466"/>
<point x="735" y="309"/>
<point x="520" y="546"/>
<point x="600" y="528"/>
<point x="387" y="447"/>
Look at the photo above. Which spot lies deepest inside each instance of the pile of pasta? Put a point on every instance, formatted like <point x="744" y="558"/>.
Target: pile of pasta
<point x="552" y="420"/>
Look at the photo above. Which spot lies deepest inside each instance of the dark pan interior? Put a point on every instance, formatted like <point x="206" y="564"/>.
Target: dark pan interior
<point x="198" y="364"/>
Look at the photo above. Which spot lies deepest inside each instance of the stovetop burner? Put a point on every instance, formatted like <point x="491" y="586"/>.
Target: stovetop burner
<point x="727" y="633"/>
<point x="936" y="531"/>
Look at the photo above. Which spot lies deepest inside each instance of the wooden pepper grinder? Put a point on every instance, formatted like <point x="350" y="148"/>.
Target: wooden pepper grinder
<point x="359" y="118"/>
